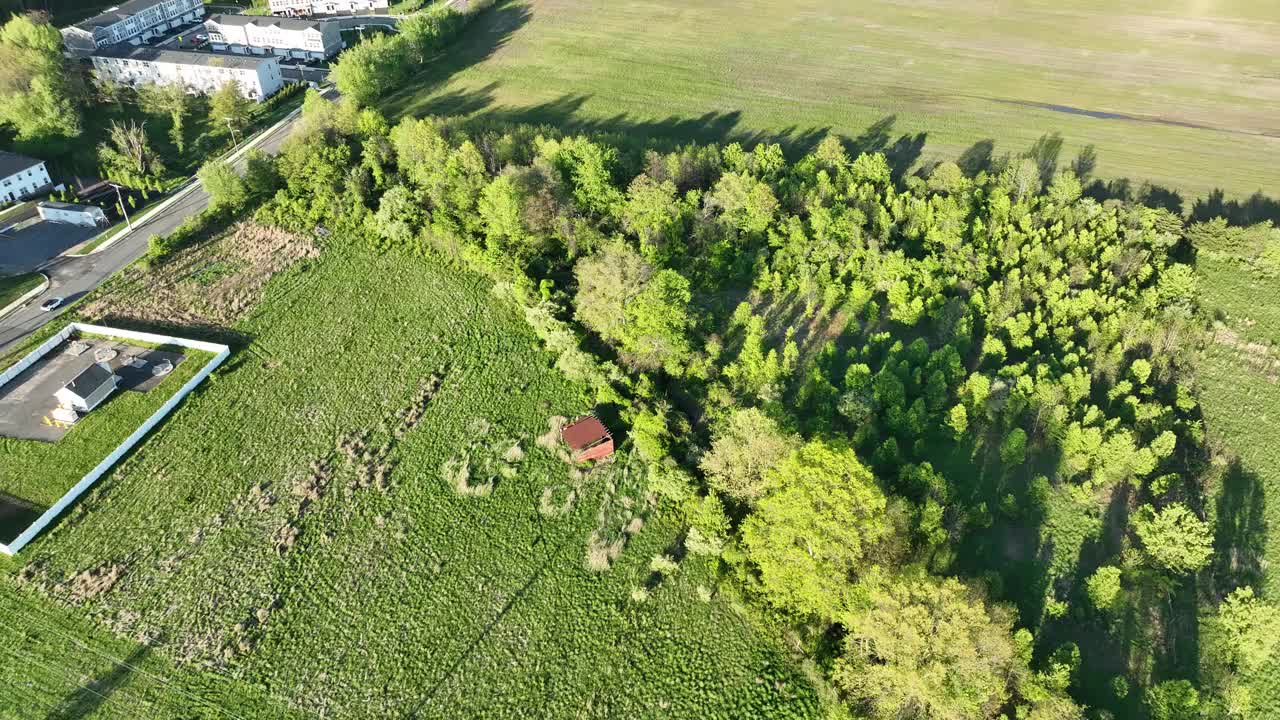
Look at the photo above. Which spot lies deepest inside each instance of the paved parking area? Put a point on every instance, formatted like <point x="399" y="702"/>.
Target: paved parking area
<point x="27" y="401"/>
<point x="27" y="248"/>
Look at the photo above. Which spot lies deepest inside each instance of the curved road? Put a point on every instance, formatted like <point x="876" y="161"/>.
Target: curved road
<point x="74" y="277"/>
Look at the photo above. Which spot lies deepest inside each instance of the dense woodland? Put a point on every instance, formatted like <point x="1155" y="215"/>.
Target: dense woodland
<point x="936" y="430"/>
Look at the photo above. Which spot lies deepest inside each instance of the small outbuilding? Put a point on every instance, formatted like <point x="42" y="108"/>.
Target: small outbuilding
<point x="89" y="388"/>
<point x="86" y="215"/>
<point x="588" y="439"/>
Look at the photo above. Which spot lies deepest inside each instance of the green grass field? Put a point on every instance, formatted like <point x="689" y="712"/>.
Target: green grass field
<point x="290" y="529"/>
<point x="13" y="287"/>
<point x="1239" y="384"/>
<point x="1197" y="81"/>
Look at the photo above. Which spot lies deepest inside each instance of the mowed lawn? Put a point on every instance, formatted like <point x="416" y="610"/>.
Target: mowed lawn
<point x="291" y="531"/>
<point x="1196" y="81"/>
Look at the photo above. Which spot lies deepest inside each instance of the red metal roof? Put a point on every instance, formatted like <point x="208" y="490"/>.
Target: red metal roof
<point x="584" y="432"/>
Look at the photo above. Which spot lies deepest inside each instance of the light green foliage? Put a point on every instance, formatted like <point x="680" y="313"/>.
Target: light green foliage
<point x="1251" y="628"/>
<point x="1013" y="451"/>
<point x="227" y="190"/>
<point x="37" y="94"/>
<point x="1104" y="588"/>
<point x="1173" y="700"/>
<point x="657" y="323"/>
<point x="746" y="203"/>
<point x="925" y="648"/>
<point x="398" y="217"/>
<point x="229" y="108"/>
<point x="1174" y="538"/>
<point x="369" y="69"/>
<point x="743" y="449"/>
<point x="820" y="519"/>
<point x="644" y="313"/>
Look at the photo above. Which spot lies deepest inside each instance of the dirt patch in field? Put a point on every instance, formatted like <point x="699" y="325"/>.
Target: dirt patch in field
<point x="214" y="284"/>
<point x="1262" y="358"/>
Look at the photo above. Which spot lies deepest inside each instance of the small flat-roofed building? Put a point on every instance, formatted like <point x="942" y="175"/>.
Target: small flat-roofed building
<point x="86" y="215"/>
<point x="282" y="36"/>
<point x="134" y="22"/>
<point x="588" y="439"/>
<point x="199" y="72"/>
<point x="88" y="389"/>
<point x="20" y="177"/>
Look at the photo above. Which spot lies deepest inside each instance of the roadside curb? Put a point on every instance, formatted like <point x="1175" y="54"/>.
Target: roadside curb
<point x="190" y="184"/>
<point x="17" y="304"/>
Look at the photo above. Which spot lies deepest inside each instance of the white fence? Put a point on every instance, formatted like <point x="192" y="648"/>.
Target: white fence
<point x="221" y="352"/>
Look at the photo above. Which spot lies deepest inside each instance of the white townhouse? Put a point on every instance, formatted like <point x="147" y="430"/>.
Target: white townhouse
<point x="286" y="37"/>
<point x="199" y="72"/>
<point x="134" y="22"/>
<point x="297" y="8"/>
<point x="20" y="177"/>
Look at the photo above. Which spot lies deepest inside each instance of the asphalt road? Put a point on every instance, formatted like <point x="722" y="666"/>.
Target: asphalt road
<point x="74" y="277"/>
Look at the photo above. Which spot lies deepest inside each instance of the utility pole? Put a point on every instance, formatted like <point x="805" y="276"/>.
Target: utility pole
<point x="120" y="200"/>
<point x="232" y="130"/>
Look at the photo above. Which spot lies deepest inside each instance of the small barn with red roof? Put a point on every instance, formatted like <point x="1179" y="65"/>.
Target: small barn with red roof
<point x="588" y="439"/>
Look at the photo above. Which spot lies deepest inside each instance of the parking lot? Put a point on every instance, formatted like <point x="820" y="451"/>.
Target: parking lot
<point x="34" y="243"/>
<point x="27" y="401"/>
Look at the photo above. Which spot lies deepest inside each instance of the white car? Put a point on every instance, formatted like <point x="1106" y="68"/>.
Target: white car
<point x="52" y="303"/>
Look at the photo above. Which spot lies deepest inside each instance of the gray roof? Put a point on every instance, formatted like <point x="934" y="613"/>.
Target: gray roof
<point x="185" y="57"/>
<point x="56" y="205"/>
<point x="93" y="377"/>
<point x="11" y="163"/>
<point x="265" y="21"/>
<point x="116" y="14"/>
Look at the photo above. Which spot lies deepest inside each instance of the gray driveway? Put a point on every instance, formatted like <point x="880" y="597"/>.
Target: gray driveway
<point x="28" y="248"/>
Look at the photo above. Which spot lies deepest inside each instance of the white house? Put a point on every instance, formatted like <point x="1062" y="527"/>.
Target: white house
<point x="20" y="176"/>
<point x="286" y="37"/>
<point x="86" y="215"/>
<point x="134" y="22"/>
<point x="89" y="389"/>
<point x="296" y="8"/>
<point x="198" y="72"/>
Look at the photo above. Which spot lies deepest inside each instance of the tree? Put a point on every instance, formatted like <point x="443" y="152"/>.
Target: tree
<point x="1250" y="628"/>
<point x="127" y="155"/>
<point x="171" y="100"/>
<point x="1173" y="700"/>
<point x="367" y="70"/>
<point x="743" y="449"/>
<point x="399" y="215"/>
<point x="1013" y="451"/>
<point x="38" y="97"/>
<point x="607" y="282"/>
<point x="925" y="648"/>
<point x="810" y="534"/>
<point x="225" y="187"/>
<point x="1104" y="588"/>
<point x="1174" y="537"/>
<point x="658" y="322"/>
<point x="229" y="108"/>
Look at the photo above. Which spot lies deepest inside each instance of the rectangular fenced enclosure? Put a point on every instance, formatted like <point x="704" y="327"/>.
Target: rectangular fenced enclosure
<point x="42" y="370"/>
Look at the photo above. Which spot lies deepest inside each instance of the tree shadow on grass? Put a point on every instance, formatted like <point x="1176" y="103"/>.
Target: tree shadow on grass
<point x="89" y="697"/>
<point x="488" y="34"/>
<point x="1255" y="209"/>
<point x="1241" y="530"/>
